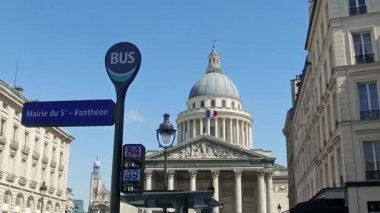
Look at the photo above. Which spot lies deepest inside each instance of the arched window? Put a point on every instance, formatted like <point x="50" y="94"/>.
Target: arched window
<point x="212" y="103"/>
<point x="7" y="200"/>
<point x="19" y="200"/>
<point x="193" y="105"/>
<point x="48" y="206"/>
<point x="223" y="103"/>
<point x="56" y="208"/>
<point x="202" y="104"/>
<point x="233" y="105"/>
<point x="30" y="203"/>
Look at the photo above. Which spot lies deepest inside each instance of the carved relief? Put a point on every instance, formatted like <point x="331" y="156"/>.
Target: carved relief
<point x="205" y="150"/>
<point x="280" y="188"/>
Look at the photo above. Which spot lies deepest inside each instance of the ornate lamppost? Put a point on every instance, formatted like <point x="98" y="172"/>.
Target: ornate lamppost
<point x="167" y="133"/>
<point x="43" y="190"/>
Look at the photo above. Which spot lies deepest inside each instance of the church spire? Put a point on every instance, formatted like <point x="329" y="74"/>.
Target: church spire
<point x="213" y="61"/>
<point x="96" y="170"/>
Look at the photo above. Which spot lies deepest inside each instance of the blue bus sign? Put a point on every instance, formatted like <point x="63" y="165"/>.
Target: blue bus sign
<point x="68" y="113"/>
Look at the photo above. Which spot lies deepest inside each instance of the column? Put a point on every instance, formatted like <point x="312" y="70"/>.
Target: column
<point x="201" y="126"/>
<point x="179" y="133"/>
<point x="336" y="167"/>
<point x="194" y="121"/>
<point x="193" y="180"/>
<point x="238" y="132"/>
<point x="216" y="127"/>
<point x="215" y="182"/>
<point x="269" y="192"/>
<point x="188" y="136"/>
<point x="329" y="168"/>
<point x="148" y="184"/>
<point x="324" y="181"/>
<point x="224" y="129"/>
<point x="250" y="135"/>
<point x="260" y="192"/>
<point x="231" y="133"/>
<point x="171" y="179"/>
<point x="238" y="197"/>
<point x="208" y="126"/>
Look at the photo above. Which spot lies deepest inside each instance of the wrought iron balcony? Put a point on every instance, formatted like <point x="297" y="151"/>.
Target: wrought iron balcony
<point x="32" y="184"/>
<point x="14" y="145"/>
<point x="11" y="177"/>
<point x="3" y="140"/>
<point x="22" y="181"/>
<point x="45" y="160"/>
<point x="370" y="114"/>
<point x="358" y="10"/>
<point x="372" y="175"/>
<point x="36" y="155"/>
<point x="25" y="150"/>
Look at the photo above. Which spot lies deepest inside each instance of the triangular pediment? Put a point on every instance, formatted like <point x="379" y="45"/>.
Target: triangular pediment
<point x="209" y="147"/>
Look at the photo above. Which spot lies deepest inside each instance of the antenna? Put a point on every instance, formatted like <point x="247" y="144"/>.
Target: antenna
<point x="14" y="83"/>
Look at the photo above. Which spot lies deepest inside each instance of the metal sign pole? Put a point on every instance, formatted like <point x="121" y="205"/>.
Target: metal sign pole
<point x="122" y="62"/>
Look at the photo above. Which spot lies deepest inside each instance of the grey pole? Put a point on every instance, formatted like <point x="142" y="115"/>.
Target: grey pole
<point x="117" y="152"/>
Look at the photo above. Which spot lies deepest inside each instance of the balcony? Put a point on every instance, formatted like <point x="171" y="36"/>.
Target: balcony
<point x="3" y="140"/>
<point x="358" y="10"/>
<point x="36" y="155"/>
<point x="45" y="160"/>
<point x="372" y="175"/>
<point x="14" y="145"/>
<point x="25" y="150"/>
<point x="51" y="189"/>
<point x="11" y="177"/>
<point x="22" y="181"/>
<point x="365" y="58"/>
<point x="370" y="114"/>
<point x="59" y="192"/>
<point x="32" y="184"/>
<point x="53" y="164"/>
<point x="61" y="167"/>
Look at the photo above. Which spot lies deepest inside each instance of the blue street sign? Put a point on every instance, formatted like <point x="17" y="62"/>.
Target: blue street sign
<point x="68" y="113"/>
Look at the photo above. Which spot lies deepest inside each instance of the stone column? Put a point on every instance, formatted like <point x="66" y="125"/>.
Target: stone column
<point x="269" y="192"/>
<point x="238" y="197"/>
<point x="231" y="131"/>
<point x="224" y="129"/>
<point x="188" y="136"/>
<point x="201" y="126"/>
<point x="260" y="192"/>
<point x="193" y="180"/>
<point x="179" y="133"/>
<point x="238" y="141"/>
<point x="208" y="126"/>
<point x="329" y="168"/>
<point x="216" y="127"/>
<point x="148" y="184"/>
<point x="215" y="182"/>
<point x="194" y="121"/>
<point x="250" y="136"/>
<point x="336" y="167"/>
<point x="171" y="179"/>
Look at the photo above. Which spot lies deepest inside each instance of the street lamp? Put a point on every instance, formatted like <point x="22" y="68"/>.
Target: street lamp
<point x="279" y="208"/>
<point x="43" y="190"/>
<point x="221" y="205"/>
<point x="167" y="133"/>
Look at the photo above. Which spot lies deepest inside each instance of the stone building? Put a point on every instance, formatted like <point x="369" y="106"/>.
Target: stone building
<point x="29" y="157"/>
<point x="99" y="196"/>
<point x="333" y="128"/>
<point x="215" y="144"/>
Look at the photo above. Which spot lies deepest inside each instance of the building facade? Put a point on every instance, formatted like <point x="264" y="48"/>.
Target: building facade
<point x="214" y="144"/>
<point x="333" y="128"/>
<point x="28" y="158"/>
<point x="99" y="196"/>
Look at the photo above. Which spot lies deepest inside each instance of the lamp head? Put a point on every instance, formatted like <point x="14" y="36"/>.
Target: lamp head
<point x="166" y="131"/>
<point x="43" y="189"/>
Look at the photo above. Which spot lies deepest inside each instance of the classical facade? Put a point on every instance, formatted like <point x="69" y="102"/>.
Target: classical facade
<point x="215" y="144"/>
<point x="99" y="196"/>
<point x="333" y="128"/>
<point x="28" y="158"/>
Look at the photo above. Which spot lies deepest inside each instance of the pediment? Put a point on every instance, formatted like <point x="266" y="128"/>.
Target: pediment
<point x="207" y="147"/>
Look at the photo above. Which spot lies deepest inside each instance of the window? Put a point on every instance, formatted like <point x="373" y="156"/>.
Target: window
<point x="212" y="103"/>
<point x="193" y="105"/>
<point x="357" y="7"/>
<point x="223" y="103"/>
<point x="233" y="105"/>
<point x="26" y="139"/>
<point x="2" y="127"/>
<point x="363" y="48"/>
<point x="202" y="104"/>
<point x="36" y="141"/>
<point x="368" y="101"/>
<point x="53" y="154"/>
<point x="14" y="134"/>
<point x="372" y="160"/>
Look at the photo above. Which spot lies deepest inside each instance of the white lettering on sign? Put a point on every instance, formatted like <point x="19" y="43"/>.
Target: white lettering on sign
<point x="36" y="114"/>
<point x="90" y="112"/>
<point x="122" y="57"/>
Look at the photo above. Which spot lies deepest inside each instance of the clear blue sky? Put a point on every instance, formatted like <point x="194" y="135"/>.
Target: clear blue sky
<point x="60" y="46"/>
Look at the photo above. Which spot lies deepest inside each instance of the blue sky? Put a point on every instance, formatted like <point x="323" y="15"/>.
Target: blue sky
<point x="60" y="47"/>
